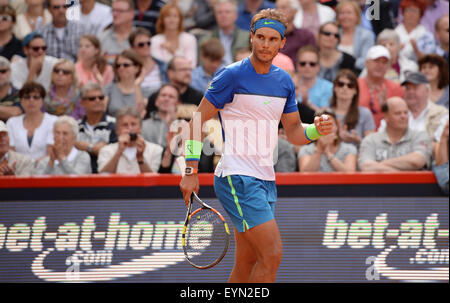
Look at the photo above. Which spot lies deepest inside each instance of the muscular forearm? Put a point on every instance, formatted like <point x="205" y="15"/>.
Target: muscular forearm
<point x="296" y="135"/>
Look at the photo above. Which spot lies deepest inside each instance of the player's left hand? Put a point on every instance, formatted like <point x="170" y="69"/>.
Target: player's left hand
<point x="324" y="124"/>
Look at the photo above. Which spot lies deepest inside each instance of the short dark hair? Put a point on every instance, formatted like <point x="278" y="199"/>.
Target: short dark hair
<point x="137" y="32"/>
<point x="212" y="48"/>
<point x="442" y="65"/>
<point x="8" y="10"/>
<point x="31" y="87"/>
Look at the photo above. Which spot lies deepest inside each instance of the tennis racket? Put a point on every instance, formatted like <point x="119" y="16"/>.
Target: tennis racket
<point x="205" y="236"/>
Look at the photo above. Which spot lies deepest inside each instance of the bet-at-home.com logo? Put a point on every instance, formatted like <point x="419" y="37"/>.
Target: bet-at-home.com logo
<point x="423" y="244"/>
<point x="160" y="243"/>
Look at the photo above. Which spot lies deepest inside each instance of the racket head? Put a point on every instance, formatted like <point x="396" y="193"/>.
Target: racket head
<point x="205" y="238"/>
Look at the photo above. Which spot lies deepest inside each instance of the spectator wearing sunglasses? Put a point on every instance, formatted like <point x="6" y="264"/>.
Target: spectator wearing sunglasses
<point x="374" y="88"/>
<point x="9" y="95"/>
<point x="35" y="17"/>
<point x="36" y="67"/>
<point x="355" y="121"/>
<point x="63" y="97"/>
<point x="31" y="133"/>
<point x="62" y="35"/>
<point x="331" y="59"/>
<point x="127" y="90"/>
<point x="296" y="38"/>
<point x="91" y="65"/>
<point x="96" y="128"/>
<point x="155" y="70"/>
<point x="314" y="91"/>
<point x="9" y="44"/>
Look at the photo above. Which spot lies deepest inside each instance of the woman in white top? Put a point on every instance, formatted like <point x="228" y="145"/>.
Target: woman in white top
<point x="171" y="39"/>
<point x="414" y="37"/>
<point x="34" y="17"/>
<point x="31" y="133"/>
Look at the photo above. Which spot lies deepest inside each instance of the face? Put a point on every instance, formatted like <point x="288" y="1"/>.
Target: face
<point x="126" y="69"/>
<point x="87" y="50"/>
<point x="6" y="23"/>
<point x="63" y="135"/>
<point x="397" y="116"/>
<point x="266" y="42"/>
<point x="4" y="143"/>
<point x="411" y="16"/>
<point x="142" y="45"/>
<point x="32" y="102"/>
<point x="392" y="46"/>
<point x="5" y="73"/>
<point x="94" y="102"/>
<point x="377" y="68"/>
<point x="62" y="74"/>
<point x="121" y="13"/>
<point x="172" y="20"/>
<point x="284" y="6"/>
<point x="347" y="16"/>
<point x="36" y="48"/>
<point x="210" y="65"/>
<point x="182" y="72"/>
<point x="128" y="124"/>
<point x="442" y="31"/>
<point x="344" y="89"/>
<point x="431" y="71"/>
<point x="308" y="65"/>
<point x="167" y="99"/>
<point x="329" y="36"/>
<point x="416" y="94"/>
<point x="225" y="14"/>
<point x="58" y="9"/>
<point x="35" y="2"/>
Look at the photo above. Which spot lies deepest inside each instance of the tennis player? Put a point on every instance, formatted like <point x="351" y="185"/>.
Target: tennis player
<point x="251" y="97"/>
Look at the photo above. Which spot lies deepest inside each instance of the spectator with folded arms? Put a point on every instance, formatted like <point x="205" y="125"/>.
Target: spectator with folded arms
<point x="397" y="147"/>
<point x="64" y="158"/>
<point x="9" y="95"/>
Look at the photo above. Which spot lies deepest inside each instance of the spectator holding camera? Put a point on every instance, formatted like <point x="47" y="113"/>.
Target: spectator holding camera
<point x="131" y="154"/>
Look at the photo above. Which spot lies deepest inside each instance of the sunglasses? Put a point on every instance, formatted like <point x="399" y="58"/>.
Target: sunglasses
<point x="303" y="63"/>
<point x="6" y="18"/>
<point x="37" y="48"/>
<point x="342" y="84"/>
<point x="65" y="6"/>
<point x="143" y="44"/>
<point x="93" y="98"/>
<point x="119" y="65"/>
<point x="326" y="33"/>
<point x="60" y="70"/>
<point x="3" y="71"/>
<point x="33" y="97"/>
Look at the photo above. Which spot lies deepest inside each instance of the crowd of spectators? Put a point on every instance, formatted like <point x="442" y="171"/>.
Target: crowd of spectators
<point x="107" y="86"/>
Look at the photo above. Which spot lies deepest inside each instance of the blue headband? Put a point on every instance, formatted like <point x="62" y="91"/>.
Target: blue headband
<point x="278" y="26"/>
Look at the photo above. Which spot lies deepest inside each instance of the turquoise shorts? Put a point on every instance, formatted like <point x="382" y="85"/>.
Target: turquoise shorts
<point x="247" y="200"/>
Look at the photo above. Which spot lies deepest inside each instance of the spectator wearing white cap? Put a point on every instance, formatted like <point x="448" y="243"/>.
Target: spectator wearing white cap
<point x="375" y="89"/>
<point x="11" y="162"/>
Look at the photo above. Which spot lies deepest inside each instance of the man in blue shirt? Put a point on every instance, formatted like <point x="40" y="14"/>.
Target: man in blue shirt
<point x="251" y="97"/>
<point x="248" y="9"/>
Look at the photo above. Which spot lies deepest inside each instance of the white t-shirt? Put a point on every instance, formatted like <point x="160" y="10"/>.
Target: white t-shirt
<point x="96" y="21"/>
<point x="19" y="72"/>
<point x="43" y="136"/>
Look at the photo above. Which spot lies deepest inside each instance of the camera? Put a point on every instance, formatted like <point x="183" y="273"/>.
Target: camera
<point x="133" y="137"/>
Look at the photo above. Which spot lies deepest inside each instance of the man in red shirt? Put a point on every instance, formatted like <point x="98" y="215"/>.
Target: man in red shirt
<point x="374" y="89"/>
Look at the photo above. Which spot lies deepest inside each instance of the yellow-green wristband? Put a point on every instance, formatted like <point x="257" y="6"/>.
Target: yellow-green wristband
<point x="193" y="150"/>
<point x="311" y="133"/>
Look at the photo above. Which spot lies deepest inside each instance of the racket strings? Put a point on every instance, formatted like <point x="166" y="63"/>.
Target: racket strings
<point x="207" y="238"/>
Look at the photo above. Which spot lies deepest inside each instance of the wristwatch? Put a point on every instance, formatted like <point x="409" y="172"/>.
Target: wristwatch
<point x="190" y="171"/>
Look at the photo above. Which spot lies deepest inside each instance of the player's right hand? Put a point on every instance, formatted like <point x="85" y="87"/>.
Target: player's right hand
<point x="188" y="185"/>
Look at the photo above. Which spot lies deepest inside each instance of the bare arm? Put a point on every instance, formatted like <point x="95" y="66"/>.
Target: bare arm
<point x="376" y="167"/>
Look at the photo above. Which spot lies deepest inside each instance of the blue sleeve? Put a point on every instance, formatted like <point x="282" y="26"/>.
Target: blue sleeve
<point x="221" y="88"/>
<point x="291" y="102"/>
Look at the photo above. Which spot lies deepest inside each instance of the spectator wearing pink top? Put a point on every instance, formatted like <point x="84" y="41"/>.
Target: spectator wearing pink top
<point x="283" y="62"/>
<point x="91" y="66"/>
<point x="171" y="39"/>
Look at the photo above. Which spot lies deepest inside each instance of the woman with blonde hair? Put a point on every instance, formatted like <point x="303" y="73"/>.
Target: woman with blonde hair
<point x="64" y="97"/>
<point x="35" y="17"/>
<point x="355" y="40"/>
<point x="171" y="39"/>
